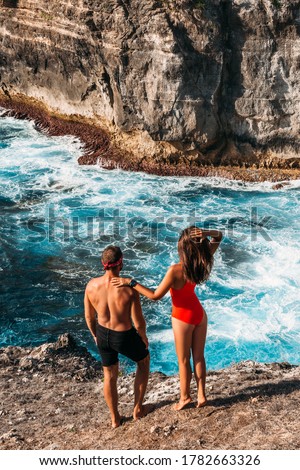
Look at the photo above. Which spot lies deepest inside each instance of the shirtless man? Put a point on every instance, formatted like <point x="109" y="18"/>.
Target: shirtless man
<point x="109" y="314"/>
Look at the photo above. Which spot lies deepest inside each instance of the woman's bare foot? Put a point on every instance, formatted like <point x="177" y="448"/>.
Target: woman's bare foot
<point x="139" y="412"/>
<point x="116" y="421"/>
<point x="201" y="403"/>
<point x="182" y="403"/>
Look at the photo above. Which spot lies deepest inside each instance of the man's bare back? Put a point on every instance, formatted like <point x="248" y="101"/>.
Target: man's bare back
<point x="116" y="309"/>
<point x="112" y="305"/>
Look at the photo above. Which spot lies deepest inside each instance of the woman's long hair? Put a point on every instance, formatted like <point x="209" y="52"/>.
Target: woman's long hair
<point x="195" y="255"/>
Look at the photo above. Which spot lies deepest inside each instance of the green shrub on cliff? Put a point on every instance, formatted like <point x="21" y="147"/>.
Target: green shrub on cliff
<point x="276" y="3"/>
<point x="199" y="3"/>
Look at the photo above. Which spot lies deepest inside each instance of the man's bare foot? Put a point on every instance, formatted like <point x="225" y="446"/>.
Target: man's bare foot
<point x="182" y="403"/>
<point x="141" y="411"/>
<point x="201" y="403"/>
<point x="116" y="422"/>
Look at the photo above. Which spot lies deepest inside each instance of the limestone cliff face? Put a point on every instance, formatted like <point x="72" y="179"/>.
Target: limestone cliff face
<point x="200" y="78"/>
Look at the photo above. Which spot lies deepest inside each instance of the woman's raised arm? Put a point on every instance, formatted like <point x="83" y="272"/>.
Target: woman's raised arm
<point x="215" y="237"/>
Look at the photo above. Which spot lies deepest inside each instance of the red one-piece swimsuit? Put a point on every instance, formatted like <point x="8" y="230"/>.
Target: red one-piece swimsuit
<point x="186" y="305"/>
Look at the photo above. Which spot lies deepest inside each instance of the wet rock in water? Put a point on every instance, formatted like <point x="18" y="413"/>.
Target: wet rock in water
<point x="280" y="185"/>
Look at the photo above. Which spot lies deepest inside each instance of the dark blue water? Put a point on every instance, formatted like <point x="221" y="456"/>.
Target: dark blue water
<point x="56" y="218"/>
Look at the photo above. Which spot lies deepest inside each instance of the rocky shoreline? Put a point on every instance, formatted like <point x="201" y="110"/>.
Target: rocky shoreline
<point x="51" y="398"/>
<point x="100" y="145"/>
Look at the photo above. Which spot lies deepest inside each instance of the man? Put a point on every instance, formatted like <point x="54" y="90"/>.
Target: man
<point x="109" y="314"/>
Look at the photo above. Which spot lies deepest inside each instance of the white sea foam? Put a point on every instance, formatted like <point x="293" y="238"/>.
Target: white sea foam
<point x="163" y="336"/>
<point x="252" y="297"/>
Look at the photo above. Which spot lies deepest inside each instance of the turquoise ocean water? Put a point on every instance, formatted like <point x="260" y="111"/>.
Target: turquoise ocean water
<point x="57" y="216"/>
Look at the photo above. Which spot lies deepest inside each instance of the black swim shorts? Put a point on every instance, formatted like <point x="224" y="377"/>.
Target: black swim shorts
<point x="110" y="343"/>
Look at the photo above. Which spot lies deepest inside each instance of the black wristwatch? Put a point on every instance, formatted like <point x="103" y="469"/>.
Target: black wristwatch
<point x="132" y="283"/>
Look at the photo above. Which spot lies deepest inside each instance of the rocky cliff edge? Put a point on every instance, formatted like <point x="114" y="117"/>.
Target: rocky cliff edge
<point x="51" y="398"/>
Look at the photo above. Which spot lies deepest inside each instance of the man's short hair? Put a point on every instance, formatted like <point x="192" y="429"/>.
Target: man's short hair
<point x="111" y="255"/>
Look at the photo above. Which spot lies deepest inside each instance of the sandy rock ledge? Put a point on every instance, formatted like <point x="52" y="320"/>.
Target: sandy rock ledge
<point x="51" y="398"/>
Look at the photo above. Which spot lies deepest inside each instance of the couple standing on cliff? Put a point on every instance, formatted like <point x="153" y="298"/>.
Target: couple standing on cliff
<point x="112" y="306"/>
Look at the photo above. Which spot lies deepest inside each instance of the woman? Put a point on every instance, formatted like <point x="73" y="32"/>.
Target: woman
<point x="189" y="320"/>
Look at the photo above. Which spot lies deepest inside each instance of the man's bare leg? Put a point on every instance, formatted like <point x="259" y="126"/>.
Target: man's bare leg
<point x="140" y="385"/>
<point x="111" y="393"/>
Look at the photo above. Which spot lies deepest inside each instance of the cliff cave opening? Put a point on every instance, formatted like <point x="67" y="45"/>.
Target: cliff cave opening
<point x="10" y="3"/>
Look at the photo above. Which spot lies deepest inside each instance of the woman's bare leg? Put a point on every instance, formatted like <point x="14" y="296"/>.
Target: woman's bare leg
<point x="183" y="333"/>
<point x="198" y="344"/>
